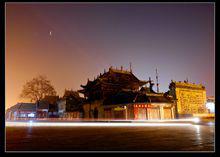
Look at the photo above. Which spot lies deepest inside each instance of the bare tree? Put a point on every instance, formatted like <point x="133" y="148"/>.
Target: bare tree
<point x="37" y="88"/>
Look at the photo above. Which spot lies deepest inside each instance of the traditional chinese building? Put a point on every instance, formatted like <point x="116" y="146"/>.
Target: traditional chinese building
<point x="191" y="98"/>
<point x="53" y="107"/>
<point x="110" y="83"/>
<point x="70" y="106"/>
<point x="21" y="111"/>
<point x="139" y="106"/>
<point x="119" y="94"/>
<point x="42" y="108"/>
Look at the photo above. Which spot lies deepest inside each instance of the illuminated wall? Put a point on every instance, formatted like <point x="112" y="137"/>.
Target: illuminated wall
<point x="191" y="98"/>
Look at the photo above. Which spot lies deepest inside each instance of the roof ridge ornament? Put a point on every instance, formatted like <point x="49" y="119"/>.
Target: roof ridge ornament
<point x="110" y="68"/>
<point x="130" y="68"/>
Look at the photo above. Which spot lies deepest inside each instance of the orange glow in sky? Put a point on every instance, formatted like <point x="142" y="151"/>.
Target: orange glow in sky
<point x="70" y="43"/>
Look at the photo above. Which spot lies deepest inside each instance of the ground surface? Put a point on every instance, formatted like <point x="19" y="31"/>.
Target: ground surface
<point x="156" y="138"/>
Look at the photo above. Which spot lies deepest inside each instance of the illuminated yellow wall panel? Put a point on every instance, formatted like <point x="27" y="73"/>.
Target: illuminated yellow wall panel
<point x="191" y="98"/>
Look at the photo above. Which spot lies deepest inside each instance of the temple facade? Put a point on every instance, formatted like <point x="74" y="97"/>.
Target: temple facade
<point x="190" y="98"/>
<point x="119" y="94"/>
<point x="139" y="106"/>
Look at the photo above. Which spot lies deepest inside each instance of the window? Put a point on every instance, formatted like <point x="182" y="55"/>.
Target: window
<point x="31" y="115"/>
<point x="22" y="115"/>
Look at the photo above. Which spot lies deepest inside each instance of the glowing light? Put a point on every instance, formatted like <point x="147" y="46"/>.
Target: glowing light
<point x="89" y="124"/>
<point x="30" y="123"/>
<point x="210" y="106"/>
<point x="196" y="120"/>
<point x="31" y="115"/>
<point x="211" y="123"/>
<point x="198" y="132"/>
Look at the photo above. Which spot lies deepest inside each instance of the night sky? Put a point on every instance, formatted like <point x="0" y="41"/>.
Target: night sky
<point x="70" y="43"/>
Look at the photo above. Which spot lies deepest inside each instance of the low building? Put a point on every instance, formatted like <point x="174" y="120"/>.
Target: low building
<point x="210" y="104"/>
<point x="68" y="113"/>
<point x="42" y="109"/>
<point x="53" y="107"/>
<point x="61" y="107"/>
<point x="72" y="115"/>
<point x="139" y="106"/>
<point x="72" y="104"/>
<point x="21" y="111"/>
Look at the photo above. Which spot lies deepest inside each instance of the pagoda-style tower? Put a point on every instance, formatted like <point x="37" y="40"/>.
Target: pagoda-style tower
<point x="110" y="83"/>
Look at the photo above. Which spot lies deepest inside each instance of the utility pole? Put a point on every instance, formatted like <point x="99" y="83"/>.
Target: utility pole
<point x="157" y="81"/>
<point x="130" y="67"/>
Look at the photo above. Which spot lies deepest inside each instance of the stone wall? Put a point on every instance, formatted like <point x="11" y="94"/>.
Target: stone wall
<point x="91" y="107"/>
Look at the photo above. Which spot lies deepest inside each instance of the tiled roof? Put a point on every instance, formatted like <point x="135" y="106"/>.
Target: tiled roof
<point x="14" y="107"/>
<point x="23" y="106"/>
<point x="158" y="99"/>
<point x="132" y="97"/>
<point x="186" y="85"/>
<point x="43" y="104"/>
<point x="28" y="106"/>
<point x="51" y="99"/>
<point x="113" y="76"/>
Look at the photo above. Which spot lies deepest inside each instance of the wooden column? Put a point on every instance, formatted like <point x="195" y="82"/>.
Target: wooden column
<point x="161" y="112"/>
<point x="135" y="112"/>
<point x="126" y="112"/>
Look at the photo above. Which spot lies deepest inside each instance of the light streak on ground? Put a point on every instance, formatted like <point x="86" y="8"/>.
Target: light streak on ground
<point x="91" y="124"/>
<point x="195" y="120"/>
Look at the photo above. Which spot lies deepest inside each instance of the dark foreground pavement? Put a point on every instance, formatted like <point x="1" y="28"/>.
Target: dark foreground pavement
<point x="154" y="138"/>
